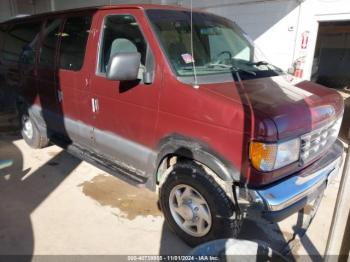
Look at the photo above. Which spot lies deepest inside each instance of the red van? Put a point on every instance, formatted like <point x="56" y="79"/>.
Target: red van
<point x="214" y="128"/>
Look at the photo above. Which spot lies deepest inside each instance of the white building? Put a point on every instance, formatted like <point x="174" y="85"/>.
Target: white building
<point x="310" y="35"/>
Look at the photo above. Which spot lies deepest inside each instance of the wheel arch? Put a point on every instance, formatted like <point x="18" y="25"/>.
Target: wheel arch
<point x="186" y="148"/>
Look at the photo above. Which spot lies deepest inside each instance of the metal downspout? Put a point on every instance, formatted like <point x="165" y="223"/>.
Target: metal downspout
<point x="339" y="236"/>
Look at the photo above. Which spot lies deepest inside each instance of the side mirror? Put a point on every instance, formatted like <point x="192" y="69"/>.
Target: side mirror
<point x="124" y="66"/>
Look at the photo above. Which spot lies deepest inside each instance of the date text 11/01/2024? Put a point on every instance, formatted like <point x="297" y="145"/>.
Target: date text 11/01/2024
<point x="173" y="258"/>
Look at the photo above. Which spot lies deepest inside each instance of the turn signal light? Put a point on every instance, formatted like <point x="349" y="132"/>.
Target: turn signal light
<point x="263" y="156"/>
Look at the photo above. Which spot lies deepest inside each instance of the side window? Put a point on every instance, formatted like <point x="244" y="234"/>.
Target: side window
<point x="20" y="43"/>
<point x="2" y="35"/>
<point x="2" y="38"/>
<point x="121" y="34"/>
<point x="49" y="43"/>
<point x="73" y="44"/>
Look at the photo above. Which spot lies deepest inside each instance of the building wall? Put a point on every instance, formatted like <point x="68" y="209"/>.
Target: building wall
<point x="67" y="4"/>
<point x="42" y="6"/>
<point x="6" y="10"/>
<point x="11" y="8"/>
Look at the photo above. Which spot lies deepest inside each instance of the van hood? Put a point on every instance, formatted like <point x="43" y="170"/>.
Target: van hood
<point x="296" y="107"/>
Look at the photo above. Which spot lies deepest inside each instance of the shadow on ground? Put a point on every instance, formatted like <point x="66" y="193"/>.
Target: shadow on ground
<point x="20" y="196"/>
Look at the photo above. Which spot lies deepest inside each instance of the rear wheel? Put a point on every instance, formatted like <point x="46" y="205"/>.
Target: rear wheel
<point x="31" y="133"/>
<point x="196" y="208"/>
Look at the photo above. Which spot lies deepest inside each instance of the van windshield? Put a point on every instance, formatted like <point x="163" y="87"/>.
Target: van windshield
<point x="219" y="45"/>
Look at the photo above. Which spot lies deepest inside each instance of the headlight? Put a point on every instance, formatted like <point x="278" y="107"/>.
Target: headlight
<point x="336" y="127"/>
<point x="268" y="157"/>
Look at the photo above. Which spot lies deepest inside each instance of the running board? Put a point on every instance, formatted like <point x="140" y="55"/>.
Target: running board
<point x="129" y="175"/>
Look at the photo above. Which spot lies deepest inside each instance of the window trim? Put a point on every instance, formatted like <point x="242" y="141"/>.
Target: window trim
<point x="190" y="79"/>
<point x="101" y="35"/>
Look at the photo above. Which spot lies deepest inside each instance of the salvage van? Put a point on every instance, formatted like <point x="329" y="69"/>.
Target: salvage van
<point x="179" y="101"/>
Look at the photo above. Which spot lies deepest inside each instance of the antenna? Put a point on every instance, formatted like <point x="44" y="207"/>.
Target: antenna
<point x="195" y="84"/>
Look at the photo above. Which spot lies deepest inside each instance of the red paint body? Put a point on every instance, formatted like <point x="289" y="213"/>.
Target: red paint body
<point x="225" y="116"/>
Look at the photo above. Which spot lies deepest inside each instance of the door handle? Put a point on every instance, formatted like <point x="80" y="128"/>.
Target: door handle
<point x="60" y="96"/>
<point x="94" y="105"/>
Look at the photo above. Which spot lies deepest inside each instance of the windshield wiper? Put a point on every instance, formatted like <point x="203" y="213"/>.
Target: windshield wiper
<point x="264" y="63"/>
<point x="234" y="68"/>
<point x="259" y="63"/>
<point x="238" y="69"/>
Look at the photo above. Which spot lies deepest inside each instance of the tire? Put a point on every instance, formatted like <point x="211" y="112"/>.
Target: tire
<point x="31" y="133"/>
<point x="224" y="222"/>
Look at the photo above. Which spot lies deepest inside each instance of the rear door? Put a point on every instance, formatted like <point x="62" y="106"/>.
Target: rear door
<point x="46" y="73"/>
<point x="3" y="31"/>
<point x="72" y="77"/>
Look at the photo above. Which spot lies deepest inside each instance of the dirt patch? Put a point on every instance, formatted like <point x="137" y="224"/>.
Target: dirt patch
<point x="131" y="201"/>
<point x="52" y="153"/>
<point x="308" y="209"/>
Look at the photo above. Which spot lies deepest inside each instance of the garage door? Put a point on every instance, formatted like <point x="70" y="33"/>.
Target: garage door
<point x="332" y="55"/>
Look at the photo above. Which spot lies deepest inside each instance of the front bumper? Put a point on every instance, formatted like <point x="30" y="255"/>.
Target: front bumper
<point x="284" y="198"/>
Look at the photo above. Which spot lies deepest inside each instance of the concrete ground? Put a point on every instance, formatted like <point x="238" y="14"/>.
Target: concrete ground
<point x="52" y="203"/>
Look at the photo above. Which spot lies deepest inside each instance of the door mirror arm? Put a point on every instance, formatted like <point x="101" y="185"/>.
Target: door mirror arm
<point x="148" y="77"/>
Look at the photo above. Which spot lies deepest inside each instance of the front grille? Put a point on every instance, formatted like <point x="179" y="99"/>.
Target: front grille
<point x="314" y="143"/>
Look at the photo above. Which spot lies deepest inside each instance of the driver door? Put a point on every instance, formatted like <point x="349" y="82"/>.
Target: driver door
<point x="125" y="111"/>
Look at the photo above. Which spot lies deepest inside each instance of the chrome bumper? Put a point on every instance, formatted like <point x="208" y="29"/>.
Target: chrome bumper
<point x="289" y="196"/>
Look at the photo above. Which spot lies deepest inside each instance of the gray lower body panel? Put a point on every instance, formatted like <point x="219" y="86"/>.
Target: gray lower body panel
<point x="125" y="153"/>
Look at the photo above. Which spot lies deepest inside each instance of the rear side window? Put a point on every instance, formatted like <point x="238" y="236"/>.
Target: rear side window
<point x="74" y="39"/>
<point x="49" y="43"/>
<point x="21" y="42"/>
<point x="121" y="34"/>
<point x="2" y="35"/>
<point x="2" y="38"/>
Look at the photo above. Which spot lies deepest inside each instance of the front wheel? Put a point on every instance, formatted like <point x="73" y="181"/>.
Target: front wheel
<point x="196" y="208"/>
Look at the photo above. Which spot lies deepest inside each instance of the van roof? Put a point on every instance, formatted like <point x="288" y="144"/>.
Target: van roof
<point x="95" y="8"/>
